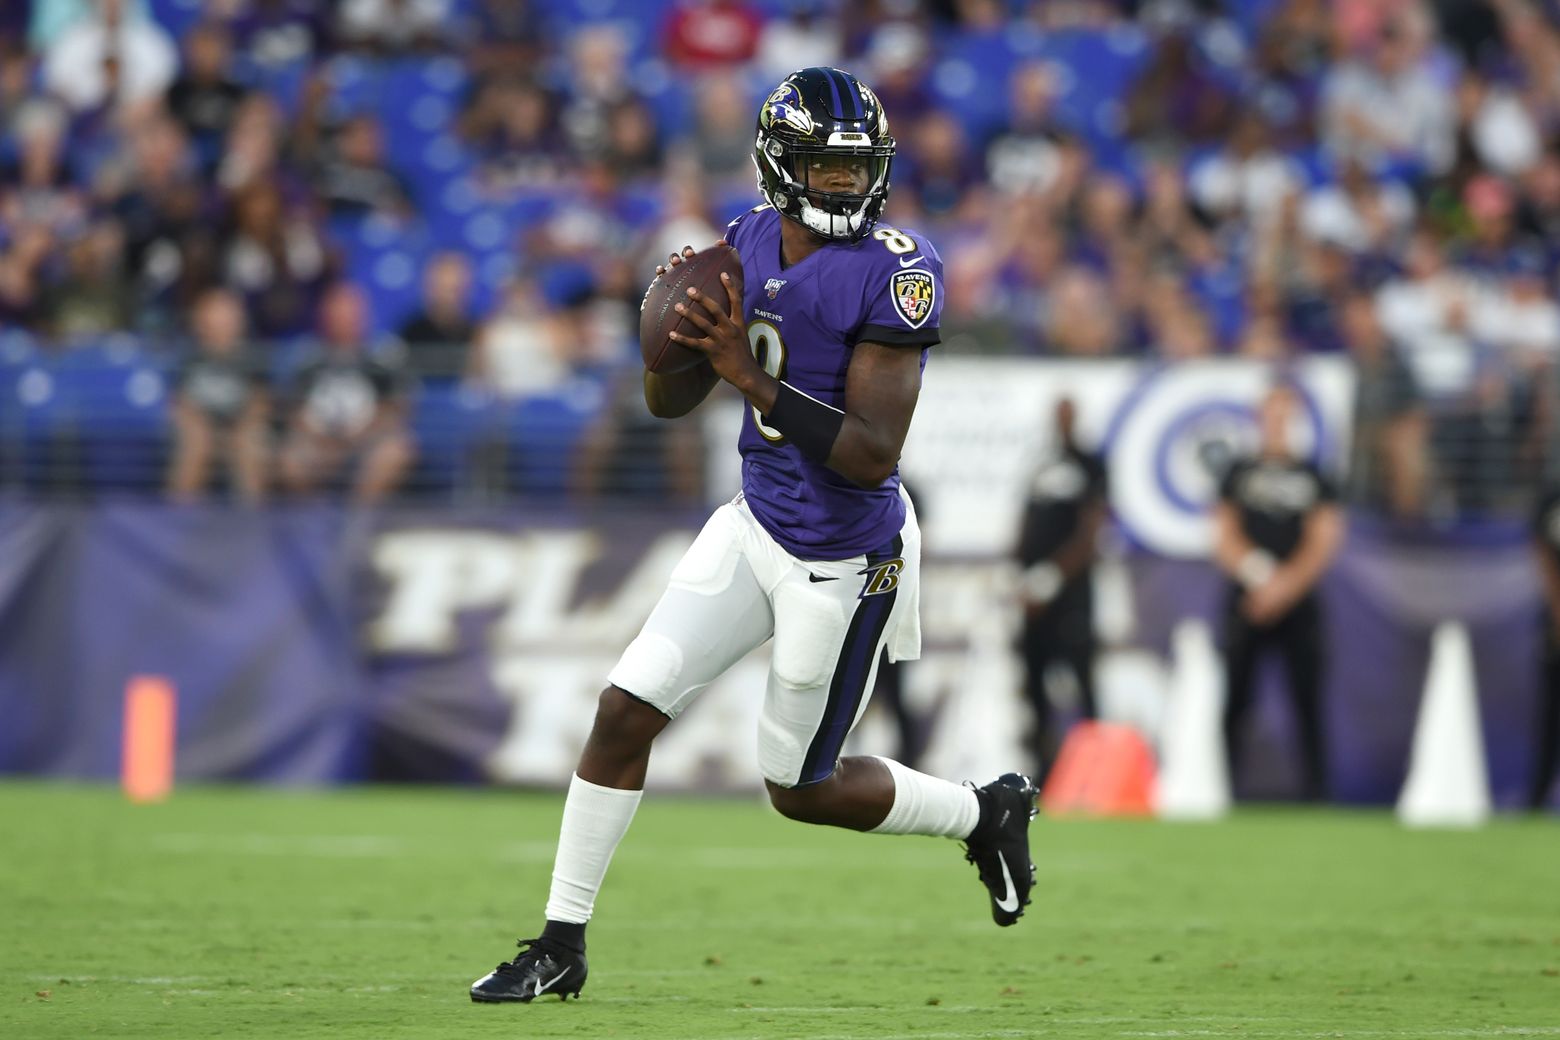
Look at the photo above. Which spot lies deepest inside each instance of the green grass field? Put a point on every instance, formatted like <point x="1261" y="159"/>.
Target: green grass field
<point x="365" y="914"/>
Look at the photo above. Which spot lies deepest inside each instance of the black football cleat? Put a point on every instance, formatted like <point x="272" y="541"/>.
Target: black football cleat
<point x="999" y="848"/>
<point x="541" y="967"/>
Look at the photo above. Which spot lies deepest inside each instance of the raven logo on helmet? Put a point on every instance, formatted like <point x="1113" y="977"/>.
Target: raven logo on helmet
<point x="785" y="106"/>
<point x="819" y="125"/>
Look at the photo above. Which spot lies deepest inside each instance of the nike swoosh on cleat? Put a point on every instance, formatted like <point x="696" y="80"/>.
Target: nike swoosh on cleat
<point x="543" y="987"/>
<point x="1009" y="902"/>
<point x="813" y="577"/>
<point x="913" y="260"/>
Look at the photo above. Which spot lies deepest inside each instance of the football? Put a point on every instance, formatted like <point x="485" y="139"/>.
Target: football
<point x="657" y="318"/>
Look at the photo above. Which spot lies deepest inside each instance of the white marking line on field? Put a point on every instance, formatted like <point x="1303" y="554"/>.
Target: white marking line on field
<point x="990" y="1034"/>
<point x="1415" y="1033"/>
<point x="327" y="846"/>
<point x="875" y="1009"/>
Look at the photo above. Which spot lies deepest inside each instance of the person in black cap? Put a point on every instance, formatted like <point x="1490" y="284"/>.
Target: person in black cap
<point x="1056" y="550"/>
<point x="1277" y="528"/>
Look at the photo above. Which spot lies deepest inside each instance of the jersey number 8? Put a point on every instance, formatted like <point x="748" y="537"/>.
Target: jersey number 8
<point x="769" y="352"/>
<point x="897" y="241"/>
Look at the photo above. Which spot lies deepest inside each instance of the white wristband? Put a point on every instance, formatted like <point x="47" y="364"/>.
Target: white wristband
<point x="1042" y="582"/>
<point x="1255" y="568"/>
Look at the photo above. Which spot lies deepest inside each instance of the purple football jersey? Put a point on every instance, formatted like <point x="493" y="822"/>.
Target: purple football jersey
<point x="803" y="323"/>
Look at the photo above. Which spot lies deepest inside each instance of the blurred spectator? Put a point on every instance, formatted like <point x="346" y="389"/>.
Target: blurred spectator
<point x="508" y="35"/>
<point x="808" y="33"/>
<point x="1387" y="469"/>
<point x="23" y="258"/>
<point x="92" y="297"/>
<point x="396" y="26"/>
<point x="15" y="86"/>
<point x="1102" y="228"/>
<point x="1358" y="213"/>
<point x="252" y="153"/>
<point x="1169" y="234"/>
<point x="277" y="260"/>
<point x="1080" y="322"/>
<point x="275" y="36"/>
<point x="897" y="63"/>
<point x="939" y="173"/>
<point x="721" y="148"/>
<point x="1538" y="212"/>
<point x="1178" y="99"/>
<point x="1388" y="106"/>
<point x="168" y="237"/>
<point x="1026" y="155"/>
<point x="1277" y="529"/>
<point x="1519" y="316"/>
<point x="349" y="412"/>
<point x="633" y="144"/>
<point x="438" y="338"/>
<point x="1427" y="313"/>
<point x="39" y="192"/>
<point x="520" y="350"/>
<point x="1490" y="227"/>
<point x="1246" y="177"/>
<point x="1056" y="552"/>
<point x="205" y="97"/>
<point x="1264" y="338"/>
<point x="685" y="222"/>
<point x="970" y="323"/>
<point x="220" y="407"/>
<point x="355" y="179"/>
<point x="598" y="80"/>
<point x="1288" y="63"/>
<point x="705" y="34"/>
<point x="1501" y="133"/>
<point x="512" y="124"/>
<point x="110" y="54"/>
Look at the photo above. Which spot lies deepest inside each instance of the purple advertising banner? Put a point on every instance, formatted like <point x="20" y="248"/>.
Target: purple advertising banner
<point x="317" y="645"/>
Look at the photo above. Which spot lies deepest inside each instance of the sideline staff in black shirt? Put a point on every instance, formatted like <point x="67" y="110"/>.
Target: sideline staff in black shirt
<point x="1057" y="550"/>
<point x="1277" y="529"/>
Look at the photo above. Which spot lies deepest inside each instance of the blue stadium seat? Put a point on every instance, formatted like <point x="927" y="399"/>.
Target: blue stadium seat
<point x="452" y="422"/>
<point x="117" y="397"/>
<point x="543" y="435"/>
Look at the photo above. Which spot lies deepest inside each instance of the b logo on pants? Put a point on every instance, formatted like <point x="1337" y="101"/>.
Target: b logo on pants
<point x="882" y="577"/>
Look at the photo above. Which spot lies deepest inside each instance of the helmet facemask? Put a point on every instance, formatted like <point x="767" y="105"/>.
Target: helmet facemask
<point x="816" y="120"/>
<point x="801" y="170"/>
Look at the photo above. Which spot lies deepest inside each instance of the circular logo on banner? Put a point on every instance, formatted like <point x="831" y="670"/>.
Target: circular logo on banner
<point x="1173" y="437"/>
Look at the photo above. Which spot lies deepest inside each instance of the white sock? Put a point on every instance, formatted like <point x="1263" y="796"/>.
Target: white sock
<point x="926" y="805"/>
<point x="595" y="819"/>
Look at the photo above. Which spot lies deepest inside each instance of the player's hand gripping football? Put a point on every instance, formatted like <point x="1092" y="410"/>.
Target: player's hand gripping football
<point x="725" y="340"/>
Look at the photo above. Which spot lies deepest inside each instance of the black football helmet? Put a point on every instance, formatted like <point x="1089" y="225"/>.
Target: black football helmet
<point x="814" y="113"/>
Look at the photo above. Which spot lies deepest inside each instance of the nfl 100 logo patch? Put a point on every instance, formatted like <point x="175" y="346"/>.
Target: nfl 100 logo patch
<point x="914" y="292"/>
<point x="773" y="287"/>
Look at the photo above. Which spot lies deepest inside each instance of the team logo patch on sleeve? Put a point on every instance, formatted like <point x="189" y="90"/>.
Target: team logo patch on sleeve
<point x="914" y="292"/>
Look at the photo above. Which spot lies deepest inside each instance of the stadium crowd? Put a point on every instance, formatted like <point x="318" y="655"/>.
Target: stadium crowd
<point x="318" y="209"/>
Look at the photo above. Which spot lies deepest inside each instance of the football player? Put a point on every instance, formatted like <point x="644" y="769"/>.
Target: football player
<point x="825" y="334"/>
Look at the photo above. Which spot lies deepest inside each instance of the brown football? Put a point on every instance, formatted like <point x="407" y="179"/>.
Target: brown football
<point x="658" y="319"/>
